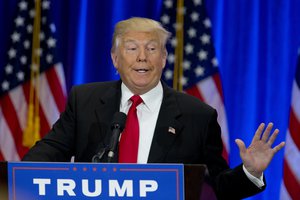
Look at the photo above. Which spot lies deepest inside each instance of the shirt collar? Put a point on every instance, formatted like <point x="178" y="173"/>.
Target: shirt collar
<point x="151" y="99"/>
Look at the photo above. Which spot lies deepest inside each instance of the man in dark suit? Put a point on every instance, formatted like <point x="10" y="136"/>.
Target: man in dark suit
<point x="173" y="127"/>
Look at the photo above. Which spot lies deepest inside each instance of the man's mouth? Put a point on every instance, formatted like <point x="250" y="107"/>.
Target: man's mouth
<point x="142" y="70"/>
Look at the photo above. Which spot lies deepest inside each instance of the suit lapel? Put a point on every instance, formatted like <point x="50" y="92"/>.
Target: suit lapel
<point x="109" y="103"/>
<point x="167" y="127"/>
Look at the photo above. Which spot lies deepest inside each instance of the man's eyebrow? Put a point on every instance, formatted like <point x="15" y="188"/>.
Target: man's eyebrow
<point x="153" y="41"/>
<point x="135" y="41"/>
<point x="129" y="40"/>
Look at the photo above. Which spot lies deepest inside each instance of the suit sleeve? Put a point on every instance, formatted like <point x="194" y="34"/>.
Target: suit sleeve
<point x="58" y="144"/>
<point x="228" y="183"/>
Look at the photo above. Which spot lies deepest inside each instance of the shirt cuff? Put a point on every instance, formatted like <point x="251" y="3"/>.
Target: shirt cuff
<point x="259" y="182"/>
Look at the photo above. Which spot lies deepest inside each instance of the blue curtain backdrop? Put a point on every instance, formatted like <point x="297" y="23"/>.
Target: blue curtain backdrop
<point x="256" y="45"/>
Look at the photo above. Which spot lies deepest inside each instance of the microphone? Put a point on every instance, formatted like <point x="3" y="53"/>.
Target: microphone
<point x="117" y="127"/>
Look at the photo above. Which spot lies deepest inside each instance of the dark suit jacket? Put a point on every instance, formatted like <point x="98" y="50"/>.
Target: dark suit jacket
<point x="84" y="128"/>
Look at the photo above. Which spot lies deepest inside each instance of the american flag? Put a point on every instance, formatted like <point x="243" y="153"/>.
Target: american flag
<point x="192" y="65"/>
<point x="32" y="83"/>
<point x="290" y="187"/>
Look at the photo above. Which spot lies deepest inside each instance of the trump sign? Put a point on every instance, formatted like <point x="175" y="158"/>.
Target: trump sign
<point x="70" y="181"/>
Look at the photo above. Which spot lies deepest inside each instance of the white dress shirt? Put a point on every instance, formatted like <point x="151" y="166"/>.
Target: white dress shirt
<point x="147" y="113"/>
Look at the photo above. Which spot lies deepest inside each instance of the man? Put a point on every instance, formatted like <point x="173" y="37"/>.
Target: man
<point x="173" y="127"/>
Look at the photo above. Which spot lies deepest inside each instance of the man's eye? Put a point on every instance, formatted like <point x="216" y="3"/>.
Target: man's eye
<point x="131" y="48"/>
<point x="151" y="49"/>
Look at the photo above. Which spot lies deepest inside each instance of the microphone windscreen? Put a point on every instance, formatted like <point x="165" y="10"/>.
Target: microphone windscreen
<point x="119" y="120"/>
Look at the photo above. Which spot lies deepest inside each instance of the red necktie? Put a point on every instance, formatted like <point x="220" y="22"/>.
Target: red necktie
<point x="129" y="144"/>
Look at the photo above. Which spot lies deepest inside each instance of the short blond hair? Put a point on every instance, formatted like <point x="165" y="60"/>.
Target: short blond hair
<point x="139" y="24"/>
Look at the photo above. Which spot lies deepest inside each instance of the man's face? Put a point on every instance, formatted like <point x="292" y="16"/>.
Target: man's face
<point x="139" y="59"/>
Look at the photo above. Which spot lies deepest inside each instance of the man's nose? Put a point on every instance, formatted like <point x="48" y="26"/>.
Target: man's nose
<point x="142" y="56"/>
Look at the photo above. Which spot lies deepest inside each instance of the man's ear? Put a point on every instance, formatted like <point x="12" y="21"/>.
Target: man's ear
<point x="114" y="58"/>
<point x="165" y="56"/>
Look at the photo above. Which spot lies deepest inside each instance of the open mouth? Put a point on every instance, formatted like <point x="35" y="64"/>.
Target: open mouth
<point x="142" y="70"/>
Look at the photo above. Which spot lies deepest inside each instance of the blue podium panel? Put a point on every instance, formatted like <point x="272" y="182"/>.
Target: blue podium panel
<point x="70" y="181"/>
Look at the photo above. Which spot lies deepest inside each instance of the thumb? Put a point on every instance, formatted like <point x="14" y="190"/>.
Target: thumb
<point x="241" y="146"/>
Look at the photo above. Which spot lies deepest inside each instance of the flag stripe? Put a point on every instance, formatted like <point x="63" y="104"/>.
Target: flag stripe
<point x="47" y="100"/>
<point x="12" y="122"/>
<point x="284" y="195"/>
<point x="1" y="156"/>
<point x="297" y="75"/>
<point x="26" y="89"/>
<point x="294" y="128"/>
<point x="291" y="173"/>
<point x="7" y="144"/>
<point x="296" y="100"/>
<point x="292" y="156"/>
<point x="222" y="118"/>
<point x="15" y="101"/>
<point x="61" y="77"/>
<point x="291" y="183"/>
<point x="195" y="92"/>
<point x="213" y="98"/>
<point x="17" y="97"/>
<point x="209" y="91"/>
<point x="56" y="88"/>
<point x="44" y="125"/>
<point x="218" y="83"/>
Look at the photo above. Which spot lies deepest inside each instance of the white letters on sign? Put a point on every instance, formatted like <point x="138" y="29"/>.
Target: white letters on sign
<point x="67" y="187"/>
<point x="42" y="184"/>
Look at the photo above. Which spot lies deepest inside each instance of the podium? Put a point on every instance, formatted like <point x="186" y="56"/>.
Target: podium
<point x="3" y="181"/>
<point x="187" y="180"/>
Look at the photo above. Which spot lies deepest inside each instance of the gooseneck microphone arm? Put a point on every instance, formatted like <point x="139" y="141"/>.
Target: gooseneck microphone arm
<point x="98" y="157"/>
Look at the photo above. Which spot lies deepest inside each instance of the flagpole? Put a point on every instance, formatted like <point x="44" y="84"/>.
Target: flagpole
<point x="32" y="131"/>
<point x="178" y="69"/>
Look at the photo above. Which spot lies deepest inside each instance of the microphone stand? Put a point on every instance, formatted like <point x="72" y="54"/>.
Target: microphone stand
<point x="98" y="157"/>
<point x="117" y="126"/>
<point x="116" y="131"/>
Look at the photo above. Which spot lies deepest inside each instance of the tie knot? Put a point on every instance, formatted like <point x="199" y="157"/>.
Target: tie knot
<point x="136" y="100"/>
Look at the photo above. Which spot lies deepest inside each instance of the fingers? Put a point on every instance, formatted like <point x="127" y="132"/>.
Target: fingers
<point x="241" y="146"/>
<point x="258" y="132"/>
<point x="273" y="137"/>
<point x="266" y="134"/>
<point x="278" y="147"/>
<point x="266" y="137"/>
